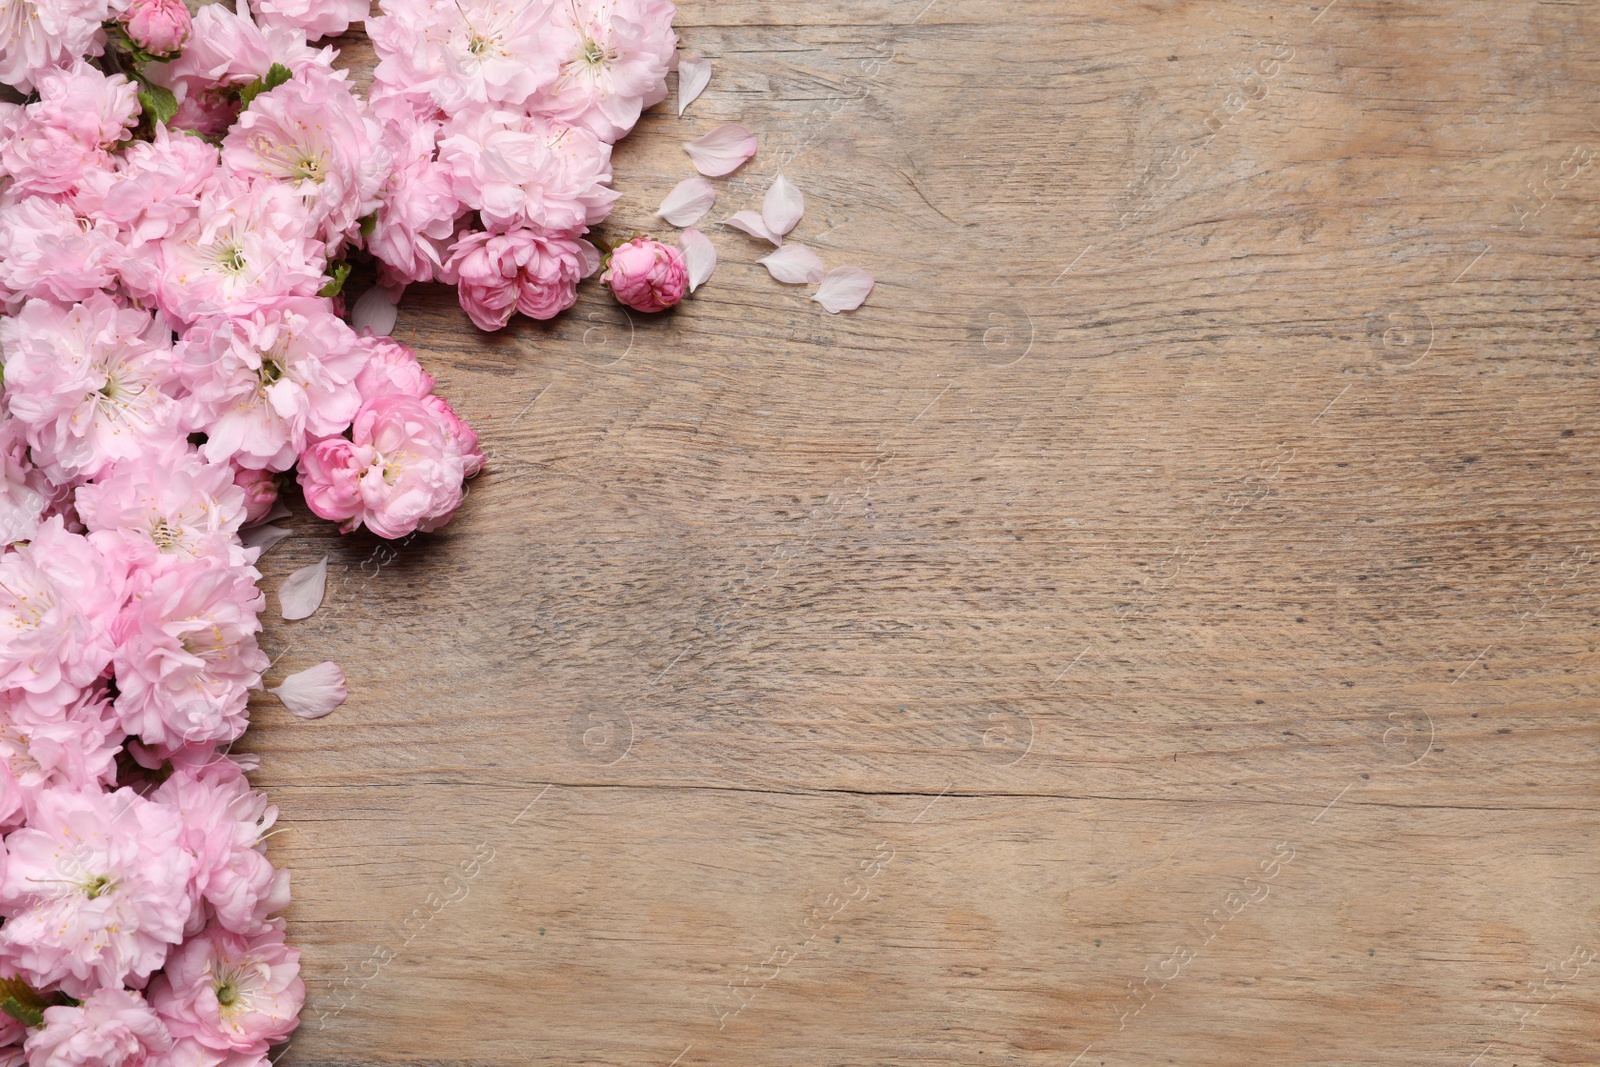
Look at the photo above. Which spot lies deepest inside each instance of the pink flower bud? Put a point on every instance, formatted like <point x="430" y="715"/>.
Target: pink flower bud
<point x="647" y="275"/>
<point x="260" y="492"/>
<point x="160" y="27"/>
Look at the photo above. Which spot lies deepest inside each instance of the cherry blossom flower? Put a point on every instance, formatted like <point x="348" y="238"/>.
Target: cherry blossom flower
<point x="616" y="56"/>
<point x="74" y="748"/>
<point x="417" y="208"/>
<point x="160" y="27"/>
<point x="39" y="35"/>
<point x="647" y="275"/>
<point x="113" y="1028"/>
<point x="466" y="52"/>
<point x="392" y="369"/>
<point x="229" y="992"/>
<point x="522" y="270"/>
<point x="518" y="169"/>
<point x="48" y="250"/>
<point x="94" y="891"/>
<point x="80" y="115"/>
<point x="316" y="18"/>
<point x="86" y="384"/>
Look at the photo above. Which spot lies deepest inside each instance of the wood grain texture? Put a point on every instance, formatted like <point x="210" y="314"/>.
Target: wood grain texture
<point x="1160" y="627"/>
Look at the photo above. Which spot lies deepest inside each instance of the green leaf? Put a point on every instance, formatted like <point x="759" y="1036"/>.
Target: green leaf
<point x="277" y="74"/>
<point x="25" y="1015"/>
<point x="368" y="224"/>
<point x="336" y="276"/>
<point x="22" y="1002"/>
<point x="159" y="104"/>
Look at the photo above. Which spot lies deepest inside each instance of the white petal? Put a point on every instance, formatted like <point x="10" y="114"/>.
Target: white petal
<point x="793" y="264"/>
<point x="688" y="202"/>
<point x="754" y="225"/>
<point x="844" y="289"/>
<point x="375" y="311"/>
<point x="313" y="692"/>
<point x="699" y="255"/>
<point x="693" y="74"/>
<point x="300" y="595"/>
<point x="782" y="206"/>
<point x="263" y="537"/>
<point x="722" y="151"/>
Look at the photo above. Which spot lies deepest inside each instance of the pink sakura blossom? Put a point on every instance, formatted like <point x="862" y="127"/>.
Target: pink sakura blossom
<point x="47" y="250"/>
<point x="462" y="53"/>
<point x="113" y="1028"/>
<point x="261" y="387"/>
<point x="515" y="169"/>
<point x="400" y="471"/>
<point x="81" y="113"/>
<point x="260" y="489"/>
<point x="37" y="36"/>
<point x="73" y="748"/>
<point x="86" y="384"/>
<point x="224" y="822"/>
<point x="522" y="270"/>
<point x="615" y="54"/>
<point x="24" y="491"/>
<point x="173" y="507"/>
<point x="246" y="248"/>
<point x="312" y="134"/>
<point x="417" y="209"/>
<point x="317" y="18"/>
<point x="95" y="890"/>
<point x="392" y="370"/>
<point x="160" y="27"/>
<point x="186" y="654"/>
<point x="647" y="275"/>
<point x="155" y="191"/>
<point x="231" y="993"/>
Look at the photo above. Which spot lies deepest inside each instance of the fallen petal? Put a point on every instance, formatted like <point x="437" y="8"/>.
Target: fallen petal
<point x="699" y="255"/>
<point x="376" y="311"/>
<point x="793" y="264"/>
<point x="313" y="692"/>
<point x="843" y="289"/>
<point x="688" y="202"/>
<point x="722" y="151"/>
<point x="300" y="595"/>
<point x="754" y="225"/>
<point x="782" y="206"/>
<point x="265" y="537"/>
<point x="693" y="74"/>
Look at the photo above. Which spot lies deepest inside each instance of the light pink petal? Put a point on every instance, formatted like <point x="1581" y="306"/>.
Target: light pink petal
<point x="265" y="537"/>
<point x="300" y="595"/>
<point x="754" y="225"/>
<point x="843" y="289"/>
<point x="722" y="151"/>
<point x="782" y="206"/>
<point x="688" y="202"/>
<point x="699" y="255"/>
<point x="376" y="311"/>
<point x="313" y="692"/>
<point x="793" y="264"/>
<point x="693" y="74"/>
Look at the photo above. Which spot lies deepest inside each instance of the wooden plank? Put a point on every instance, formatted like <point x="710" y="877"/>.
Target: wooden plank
<point x="1160" y="627"/>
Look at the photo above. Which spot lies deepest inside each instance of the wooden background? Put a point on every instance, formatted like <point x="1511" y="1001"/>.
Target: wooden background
<point x="1160" y="627"/>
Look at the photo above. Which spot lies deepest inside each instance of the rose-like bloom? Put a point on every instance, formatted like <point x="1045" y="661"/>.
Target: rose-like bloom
<point x="170" y="507"/>
<point x="155" y="191"/>
<point x="460" y="438"/>
<point x="314" y="135"/>
<point x="224" y="822"/>
<point x="647" y="275"/>
<point x="160" y="27"/>
<point x="48" y="251"/>
<point x="417" y="209"/>
<point x="400" y="471"/>
<point x="113" y="1028"/>
<point x="74" y="748"/>
<point x="58" y="597"/>
<point x="86" y="384"/>
<point x="317" y="18"/>
<point x="245" y="248"/>
<point x="231" y="993"/>
<point x="186" y="654"/>
<point x="227" y="50"/>
<point x="95" y="890"/>
<point x="461" y="53"/>
<point x="616" y="54"/>
<point x="81" y="113"/>
<point x="522" y="270"/>
<point x="392" y="369"/>
<point x="39" y="35"/>
<point x="262" y="386"/>
<point x="260" y="490"/>
<point x="517" y="169"/>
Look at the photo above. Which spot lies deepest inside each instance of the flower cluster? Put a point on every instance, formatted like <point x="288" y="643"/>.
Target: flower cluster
<point x="180" y="197"/>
